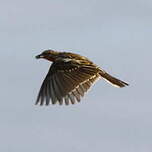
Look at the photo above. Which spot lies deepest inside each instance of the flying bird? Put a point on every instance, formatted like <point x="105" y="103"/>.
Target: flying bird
<point x="69" y="78"/>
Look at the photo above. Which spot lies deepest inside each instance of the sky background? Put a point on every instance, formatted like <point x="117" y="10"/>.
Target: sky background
<point x="116" y="35"/>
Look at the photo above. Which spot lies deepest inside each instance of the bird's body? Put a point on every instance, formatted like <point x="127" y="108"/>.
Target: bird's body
<point x="69" y="77"/>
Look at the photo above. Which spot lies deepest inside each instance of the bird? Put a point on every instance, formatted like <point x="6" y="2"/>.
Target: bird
<point x="70" y="76"/>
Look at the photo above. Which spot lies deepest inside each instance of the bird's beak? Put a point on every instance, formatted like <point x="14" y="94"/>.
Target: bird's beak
<point x="39" y="56"/>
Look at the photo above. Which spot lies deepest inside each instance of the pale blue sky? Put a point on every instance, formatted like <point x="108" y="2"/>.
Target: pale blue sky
<point x="116" y="35"/>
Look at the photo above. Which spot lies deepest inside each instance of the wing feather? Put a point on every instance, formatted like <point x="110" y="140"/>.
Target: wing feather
<point x="66" y="82"/>
<point x="53" y="95"/>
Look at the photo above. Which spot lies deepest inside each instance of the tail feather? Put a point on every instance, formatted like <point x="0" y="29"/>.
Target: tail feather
<point x="114" y="81"/>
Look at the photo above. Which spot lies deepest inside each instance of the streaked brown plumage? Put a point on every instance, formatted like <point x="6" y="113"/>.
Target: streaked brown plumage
<point x="69" y="77"/>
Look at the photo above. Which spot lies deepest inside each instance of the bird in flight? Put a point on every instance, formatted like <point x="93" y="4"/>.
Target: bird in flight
<point x="69" y="78"/>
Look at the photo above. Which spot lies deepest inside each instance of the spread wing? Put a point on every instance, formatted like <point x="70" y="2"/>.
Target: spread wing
<point x="66" y="82"/>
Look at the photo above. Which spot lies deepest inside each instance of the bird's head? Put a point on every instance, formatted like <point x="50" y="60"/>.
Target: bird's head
<point x="48" y="55"/>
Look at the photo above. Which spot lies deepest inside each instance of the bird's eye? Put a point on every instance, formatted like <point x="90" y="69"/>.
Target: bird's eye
<point x="45" y="54"/>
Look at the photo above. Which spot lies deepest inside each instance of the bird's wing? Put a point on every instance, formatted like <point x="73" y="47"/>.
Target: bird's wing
<point x="66" y="81"/>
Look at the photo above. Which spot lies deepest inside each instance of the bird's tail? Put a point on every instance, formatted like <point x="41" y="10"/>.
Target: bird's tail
<point x="114" y="81"/>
